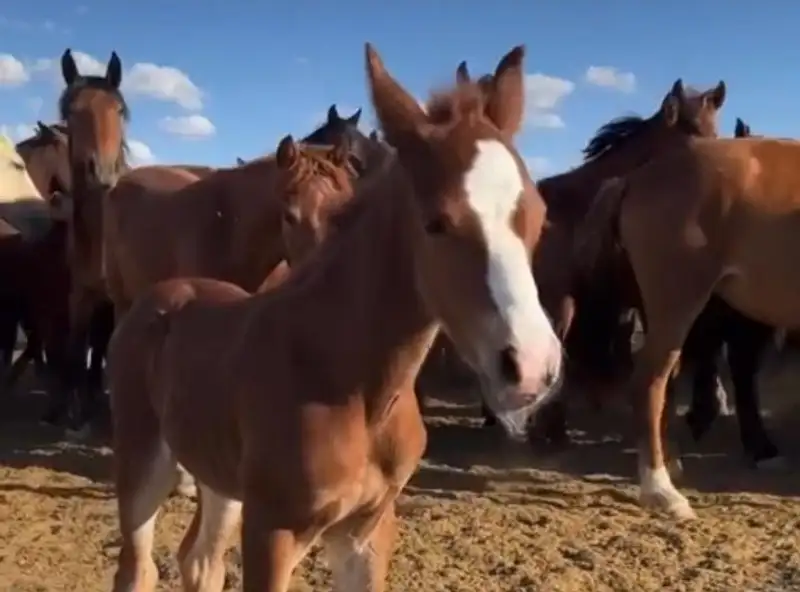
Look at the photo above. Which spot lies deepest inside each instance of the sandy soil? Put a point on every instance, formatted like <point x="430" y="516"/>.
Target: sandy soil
<point x="480" y="515"/>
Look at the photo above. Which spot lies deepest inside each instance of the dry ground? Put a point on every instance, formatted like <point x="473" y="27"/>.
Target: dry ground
<point x="479" y="516"/>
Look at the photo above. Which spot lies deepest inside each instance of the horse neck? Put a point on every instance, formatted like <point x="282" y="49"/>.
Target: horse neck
<point x="246" y="196"/>
<point x="363" y="285"/>
<point x="569" y="195"/>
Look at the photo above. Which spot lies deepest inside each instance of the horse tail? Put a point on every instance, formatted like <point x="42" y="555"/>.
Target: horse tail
<point x="598" y="234"/>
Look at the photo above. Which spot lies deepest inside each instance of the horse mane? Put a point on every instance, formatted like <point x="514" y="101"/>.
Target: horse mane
<point x="448" y="106"/>
<point x="315" y="161"/>
<point x="613" y="135"/>
<point x="40" y="138"/>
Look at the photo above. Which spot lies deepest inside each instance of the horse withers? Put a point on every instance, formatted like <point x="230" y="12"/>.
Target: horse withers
<point x="305" y="393"/>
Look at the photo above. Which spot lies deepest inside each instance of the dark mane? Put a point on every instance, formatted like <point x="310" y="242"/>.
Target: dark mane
<point x="613" y="135"/>
<point x="41" y="139"/>
<point x="95" y="82"/>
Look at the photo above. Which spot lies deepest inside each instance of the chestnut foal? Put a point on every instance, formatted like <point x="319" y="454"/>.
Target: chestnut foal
<point x="296" y="407"/>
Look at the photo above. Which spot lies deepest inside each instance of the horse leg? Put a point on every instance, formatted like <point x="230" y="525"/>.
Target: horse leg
<point x="93" y="402"/>
<point x="8" y="337"/>
<point x="747" y="342"/>
<point x="362" y="566"/>
<point x="701" y="352"/>
<point x="202" y="552"/>
<point x="273" y="542"/>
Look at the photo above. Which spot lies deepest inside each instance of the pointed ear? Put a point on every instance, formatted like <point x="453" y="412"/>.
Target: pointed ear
<point x="333" y="114"/>
<point x="114" y="70"/>
<point x="373" y="135"/>
<point x="462" y="73"/>
<point x="670" y="109"/>
<point x="398" y="113"/>
<point x="239" y="161"/>
<point x="287" y="153"/>
<point x="716" y="96"/>
<point x="677" y="90"/>
<point x="506" y="104"/>
<point x="69" y="69"/>
<point x="742" y="130"/>
<point x="354" y="118"/>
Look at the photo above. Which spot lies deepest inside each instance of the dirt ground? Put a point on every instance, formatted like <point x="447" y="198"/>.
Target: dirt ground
<point x="480" y="515"/>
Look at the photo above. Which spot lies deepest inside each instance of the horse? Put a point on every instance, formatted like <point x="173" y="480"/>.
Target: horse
<point x="315" y="436"/>
<point x="95" y="112"/>
<point x="724" y="226"/>
<point x="592" y="317"/>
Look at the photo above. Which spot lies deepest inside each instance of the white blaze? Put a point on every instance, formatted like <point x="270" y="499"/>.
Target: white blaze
<point x="493" y="187"/>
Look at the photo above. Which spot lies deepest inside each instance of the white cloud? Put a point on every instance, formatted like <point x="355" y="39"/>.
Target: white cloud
<point x="140" y="152"/>
<point x="543" y="95"/>
<point x="17" y="131"/>
<point x="545" y="120"/>
<point x="164" y="83"/>
<point x="12" y="71"/>
<point x="191" y="126"/>
<point x="610" y="77"/>
<point x="538" y="165"/>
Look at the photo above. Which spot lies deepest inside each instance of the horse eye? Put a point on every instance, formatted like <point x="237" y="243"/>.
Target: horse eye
<point x="436" y="226"/>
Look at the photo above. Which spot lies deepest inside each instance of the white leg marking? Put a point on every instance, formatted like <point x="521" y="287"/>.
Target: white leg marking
<point x="149" y="496"/>
<point x="350" y="563"/>
<point x="658" y="491"/>
<point x="203" y="569"/>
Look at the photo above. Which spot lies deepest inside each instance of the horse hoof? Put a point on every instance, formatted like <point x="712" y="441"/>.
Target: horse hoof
<point x="78" y="434"/>
<point x="776" y="463"/>
<point x="673" y="503"/>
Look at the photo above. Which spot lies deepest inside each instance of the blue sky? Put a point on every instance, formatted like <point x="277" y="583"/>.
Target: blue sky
<point x="258" y="70"/>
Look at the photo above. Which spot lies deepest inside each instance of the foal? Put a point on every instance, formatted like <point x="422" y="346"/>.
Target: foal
<point x="304" y="395"/>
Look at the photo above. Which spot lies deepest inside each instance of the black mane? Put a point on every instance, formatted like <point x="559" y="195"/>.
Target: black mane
<point x="613" y="134"/>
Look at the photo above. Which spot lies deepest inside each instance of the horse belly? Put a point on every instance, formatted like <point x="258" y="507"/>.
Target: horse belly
<point x="764" y="283"/>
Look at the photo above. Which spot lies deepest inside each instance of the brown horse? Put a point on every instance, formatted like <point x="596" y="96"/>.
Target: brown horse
<point x="715" y="217"/>
<point x="314" y="436"/>
<point x="95" y="113"/>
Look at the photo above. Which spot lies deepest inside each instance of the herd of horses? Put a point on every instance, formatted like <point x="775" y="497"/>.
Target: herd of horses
<point x="261" y="327"/>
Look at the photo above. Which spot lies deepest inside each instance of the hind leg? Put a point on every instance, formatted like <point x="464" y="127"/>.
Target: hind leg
<point x="202" y="551"/>
<point x="746" y="347"/>
<point x="362" y="566"/>
<point x="143" y="482"/>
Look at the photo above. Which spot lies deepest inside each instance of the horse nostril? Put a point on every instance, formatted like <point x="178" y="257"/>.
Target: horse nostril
<point x="509" y="367"/>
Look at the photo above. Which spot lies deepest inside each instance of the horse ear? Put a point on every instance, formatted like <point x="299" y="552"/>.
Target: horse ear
<point x="239" y="161"/>
<point x="398" y="113"/>
<point x="354" y="118"/>
<point x="373" y="135"/>
<point x="69" y="69"/>
<point x="677" y="90"/>
<point x="287" y="154"/>
<point x="333" y="114"/>
<point x="42" y="129"/>
<point x="716" y="96"/>
<point x="462" y="73"/>
<point x="506" y="104"/>
<point x="742" y="130"/>
<point x="114" y="70"/>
